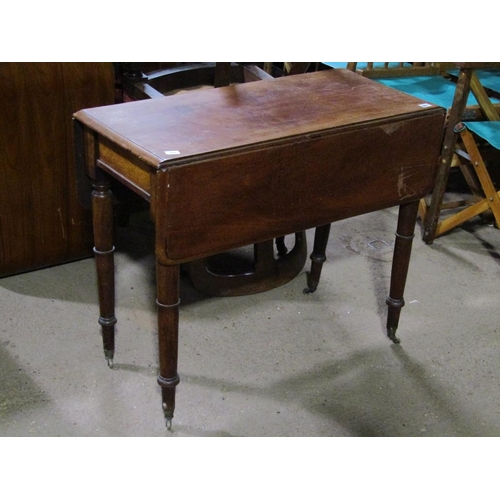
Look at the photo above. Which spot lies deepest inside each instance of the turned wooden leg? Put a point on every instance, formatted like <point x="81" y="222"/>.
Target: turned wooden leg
<point x="400" y="263"/>
<point x="281" y="247"/>
<point x="102" y="216"/>
<point x="168" y="334"/>
<point x="318" y="257"/>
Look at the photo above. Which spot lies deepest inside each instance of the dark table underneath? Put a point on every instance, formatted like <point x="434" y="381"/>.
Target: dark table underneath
<point x="227" y="167"/>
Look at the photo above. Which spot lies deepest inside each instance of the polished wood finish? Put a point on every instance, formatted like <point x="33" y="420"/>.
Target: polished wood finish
<point x="233" y="166"/>
<point x="167" y="278"/>
<point x="102" y="211"/>
<point x="402" y="250"/>
<point x="41" y="220"/>
<point x="225" y="274"/>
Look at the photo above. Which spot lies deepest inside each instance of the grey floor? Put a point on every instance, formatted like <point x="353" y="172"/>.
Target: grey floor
<point x="279" y="363"/>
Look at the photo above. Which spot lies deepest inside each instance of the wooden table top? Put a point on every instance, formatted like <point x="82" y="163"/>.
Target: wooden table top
<point x="255" y="161"/>
<point x="190" y="126"/>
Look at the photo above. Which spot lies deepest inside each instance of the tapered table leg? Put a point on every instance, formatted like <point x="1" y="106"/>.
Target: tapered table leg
<point x="400" y="263"/>
<point x="102" y="216"/>
<point x="318" y="257"/>
<point x="168" y="334"/>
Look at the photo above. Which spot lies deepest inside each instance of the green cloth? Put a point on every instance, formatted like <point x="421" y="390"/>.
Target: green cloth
<point x="434" y="89"/>
<point x="490" y="131"/>
<point x="489" y="78"/>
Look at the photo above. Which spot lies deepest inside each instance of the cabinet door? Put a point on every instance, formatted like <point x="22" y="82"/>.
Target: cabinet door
<point x="42" y="222"/>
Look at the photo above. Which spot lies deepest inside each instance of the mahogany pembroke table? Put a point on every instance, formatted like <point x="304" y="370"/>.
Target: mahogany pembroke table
<point x="228" y="167"/>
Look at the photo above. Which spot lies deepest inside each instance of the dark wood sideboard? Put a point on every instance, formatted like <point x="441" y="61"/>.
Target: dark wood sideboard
<point x="41" y="221"/>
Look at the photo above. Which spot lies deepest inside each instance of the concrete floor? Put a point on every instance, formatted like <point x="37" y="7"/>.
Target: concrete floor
<point x="279" y="363"/>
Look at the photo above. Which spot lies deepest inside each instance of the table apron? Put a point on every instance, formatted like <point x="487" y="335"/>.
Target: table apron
<point x="131" y="171"/>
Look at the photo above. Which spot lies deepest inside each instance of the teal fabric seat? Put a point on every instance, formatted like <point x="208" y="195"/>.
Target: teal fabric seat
<point x="489" y="131"/>
<point x="435" y="89"/>
<point x="489" y="78"/>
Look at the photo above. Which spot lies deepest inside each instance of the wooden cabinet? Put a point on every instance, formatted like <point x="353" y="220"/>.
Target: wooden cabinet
<point x="41" y="220"/>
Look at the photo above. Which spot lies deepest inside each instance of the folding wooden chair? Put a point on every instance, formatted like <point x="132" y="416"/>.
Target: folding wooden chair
<point x="470" y="136"/>
<point x="478" y="139"/>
